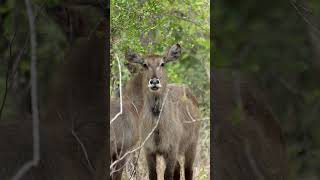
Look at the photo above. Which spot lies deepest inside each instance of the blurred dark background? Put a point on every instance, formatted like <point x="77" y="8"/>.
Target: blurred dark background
<point x="58" y="25"/>
<point x="277" y="44"/>
<point x="71" y="73"/>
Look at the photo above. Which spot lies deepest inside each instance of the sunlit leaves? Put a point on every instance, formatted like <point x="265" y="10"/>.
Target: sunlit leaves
<point x="153" y="26"/>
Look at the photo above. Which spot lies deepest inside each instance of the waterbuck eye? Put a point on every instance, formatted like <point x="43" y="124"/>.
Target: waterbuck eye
<point x="145" y="66"/>
<point x="162" y="64"/>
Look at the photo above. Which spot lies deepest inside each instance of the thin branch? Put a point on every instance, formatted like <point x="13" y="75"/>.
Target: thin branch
<point x="34" y="83"/>
<point x="146" y="139"/>
<point x="304" y="18"/>
<point x="83" y="149"/>
<point x="135" y="108"/>
<point x="25" y="168"/>
<point x="305" y="9"/>
<point x="74" y="134"/>
<point x="185" y="19"/>
<point x="194" y="120"/>
<point x="120" y="89"/>
<point x="34" y="101"/>
<point x="116" y="170"/>
<point x="16" y="62"/>
<point x="7" y="75"/>
<point x="18" y="59"/>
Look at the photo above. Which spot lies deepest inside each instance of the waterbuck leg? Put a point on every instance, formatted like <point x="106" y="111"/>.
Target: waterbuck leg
<point x="189" y="159"/>
<point x="152" y="165"/>
<point x="171" y="161"/>
<point x="176" y="175"/>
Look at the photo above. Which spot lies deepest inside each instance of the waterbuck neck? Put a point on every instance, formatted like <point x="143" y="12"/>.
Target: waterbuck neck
<point x="154" y="103"/>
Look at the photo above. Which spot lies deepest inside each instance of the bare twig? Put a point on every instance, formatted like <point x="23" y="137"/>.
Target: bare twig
<point x="120" y="89"/>
<point x="194" y="120"/>
<point x="34" y="101"/>
<point x="146" y="139"/>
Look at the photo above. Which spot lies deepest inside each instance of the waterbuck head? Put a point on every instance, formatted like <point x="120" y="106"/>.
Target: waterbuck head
<point x="154" y="77"/>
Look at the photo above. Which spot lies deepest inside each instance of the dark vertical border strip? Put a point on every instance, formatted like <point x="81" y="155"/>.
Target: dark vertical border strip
<point x="212" y="92"/>
<point x="107" y="74"/>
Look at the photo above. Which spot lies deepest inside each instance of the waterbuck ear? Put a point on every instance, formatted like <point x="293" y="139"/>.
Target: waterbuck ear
<point x="173" y="53"/>
<point x="133" y="57"/>
<point x="132" y="67"/>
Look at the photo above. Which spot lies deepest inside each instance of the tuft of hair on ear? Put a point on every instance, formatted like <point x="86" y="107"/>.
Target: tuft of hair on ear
<point x="132" y="57"/>
<point x="173" y="53"/>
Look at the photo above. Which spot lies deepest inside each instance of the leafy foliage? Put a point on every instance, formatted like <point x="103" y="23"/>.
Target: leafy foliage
<point x="51" y="43"/>
<point x="153" y="26"/>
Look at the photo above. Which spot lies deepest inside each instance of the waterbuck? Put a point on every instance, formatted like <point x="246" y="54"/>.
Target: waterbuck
<point x="123" y="134"/>
<point x="168" y="114"/>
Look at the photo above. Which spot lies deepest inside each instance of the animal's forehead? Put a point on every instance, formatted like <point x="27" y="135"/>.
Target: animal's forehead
<point x="153" y="60"/>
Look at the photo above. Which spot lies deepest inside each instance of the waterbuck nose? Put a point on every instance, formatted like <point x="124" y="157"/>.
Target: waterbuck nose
<point x="154" y="81"/>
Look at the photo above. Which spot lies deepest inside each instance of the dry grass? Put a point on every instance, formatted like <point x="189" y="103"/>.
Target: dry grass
<point x="201" y="165"/>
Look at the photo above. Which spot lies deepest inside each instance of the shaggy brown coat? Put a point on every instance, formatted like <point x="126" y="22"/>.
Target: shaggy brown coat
<point x="175" y="108"/>
<point x="123" y="133"/>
